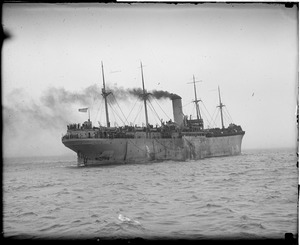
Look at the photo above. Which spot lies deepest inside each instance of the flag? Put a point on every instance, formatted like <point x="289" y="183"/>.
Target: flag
<point x="83" y="109"/>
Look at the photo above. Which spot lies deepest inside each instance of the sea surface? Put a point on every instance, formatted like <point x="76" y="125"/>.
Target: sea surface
<point x="253" y="195"/>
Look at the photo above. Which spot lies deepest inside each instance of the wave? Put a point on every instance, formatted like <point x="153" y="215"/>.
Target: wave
<point x="16" y="188"/>
<point x="126" y="219"/>
<point x="48" y="217"/>
<point x="248" y="235"/>
<point x="252" y="225"/>
<point x="244" y="217"/>
<point x="124" y="227"/>
<point x="194" y="197"/>
<point x="212" y="197"/>
<point x="229" y="179"/>
<point x="29" y="197"/>
<point x="228" y="210"/>
<point x="52" y="227"/>
<point x="27" y="214"/>
<point x="45" y="185"/>
<point x="209" y="205"/>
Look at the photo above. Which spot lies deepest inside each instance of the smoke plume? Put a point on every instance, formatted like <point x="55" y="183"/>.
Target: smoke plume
<point x="57" y="107"/>
<point x="125" y="94"/>
<point x="52" y="110"/>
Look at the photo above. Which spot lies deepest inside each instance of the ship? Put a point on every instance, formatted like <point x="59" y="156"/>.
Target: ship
<point x="181" y="139"/>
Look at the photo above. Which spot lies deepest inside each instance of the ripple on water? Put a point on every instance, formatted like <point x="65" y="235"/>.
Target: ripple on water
<point x="53" y="227"/>
<point x="211" y="197"/>
<point x="27" y="214"/>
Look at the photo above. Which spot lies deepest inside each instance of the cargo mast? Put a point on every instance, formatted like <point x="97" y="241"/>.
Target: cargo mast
<point x="196" y="100"/>
<point x="105" y="94"/>
<point x="145" y="102"/>
<point x="221" y="106"/>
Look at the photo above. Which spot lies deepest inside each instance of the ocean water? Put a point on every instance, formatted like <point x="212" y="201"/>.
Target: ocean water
<point x="253" y="195"/>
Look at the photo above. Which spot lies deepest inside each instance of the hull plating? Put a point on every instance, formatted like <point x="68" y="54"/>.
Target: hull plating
<point x="108" y="151"/>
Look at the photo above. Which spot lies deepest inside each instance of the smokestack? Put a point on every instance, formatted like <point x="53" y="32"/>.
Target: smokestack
<point x="177" y="109"/>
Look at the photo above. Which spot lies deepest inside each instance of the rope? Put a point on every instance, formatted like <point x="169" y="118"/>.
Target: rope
<point x="187" y="104"/>
<point x="138" y="113"/>
<point x="193" y="109"/>
<point x="229" y="114"/>
<point x="161" y="109"/>
<point x="120" y="110"/>
<point x="115" y="112"/>
<point x="209" y="122"/>
<point x="214" y="114"/>
<point x="132" y="109"/>
<point x="153" y="110"/>
<point x="99" y="108"/>
<point x="216" y="117"/>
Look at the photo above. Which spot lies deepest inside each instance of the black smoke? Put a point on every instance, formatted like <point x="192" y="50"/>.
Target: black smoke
<point x="126" y="94"/>
<point x="57" y="107"/>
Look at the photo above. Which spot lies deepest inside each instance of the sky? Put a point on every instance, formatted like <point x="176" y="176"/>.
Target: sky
<point x="51" y="67"/>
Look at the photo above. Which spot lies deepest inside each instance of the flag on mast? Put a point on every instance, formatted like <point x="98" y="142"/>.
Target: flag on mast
<point x="83" y="109"/>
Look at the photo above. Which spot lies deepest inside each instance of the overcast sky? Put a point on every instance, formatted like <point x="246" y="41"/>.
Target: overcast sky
<point x="52" y="66"/>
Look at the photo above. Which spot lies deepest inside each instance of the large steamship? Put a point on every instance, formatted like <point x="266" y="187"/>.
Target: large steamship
<point x="181" y="139"/>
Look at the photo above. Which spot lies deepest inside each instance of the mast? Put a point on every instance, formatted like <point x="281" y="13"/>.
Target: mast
<point x="145" y="101"/>
<point x="105" y="94"/>
<point x="196" y="100"/>
<point x="221" y="105"/>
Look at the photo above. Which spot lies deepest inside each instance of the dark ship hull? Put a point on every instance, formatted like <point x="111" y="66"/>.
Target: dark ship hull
<point x="139" y="150"/>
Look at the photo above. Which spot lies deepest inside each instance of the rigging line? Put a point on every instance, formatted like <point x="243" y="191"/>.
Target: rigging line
<point x="161" y="108"/>
<point x="229" y="114"/>
<point x="227" y="119"/>
<point x="115" y="112"/>
<point x="132" y="109"/>
<point x="216" y="111"/>
<point x="206" y="118"/>
<point x="99" y="108"/>
<point x="120" y="109"/>
<point x="153" y="110"/>
<point x="214" y="123"/>
<point x="207" y="112"/>
<point x="112" y="110"/>
<point x="226" y="115"/>
<point x="102" y="111"/>
<point x="192" y="110"/>
<point x="141" y="106"/>
<point x="188" y="104"/>
<point x="217" y="115"/>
